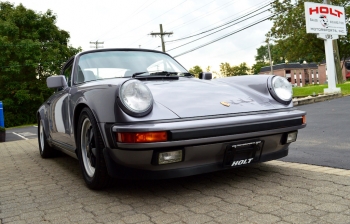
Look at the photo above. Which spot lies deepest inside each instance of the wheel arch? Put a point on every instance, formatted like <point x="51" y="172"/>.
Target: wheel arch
<point x="76" y="115"/>
<point x="41" y="116"/>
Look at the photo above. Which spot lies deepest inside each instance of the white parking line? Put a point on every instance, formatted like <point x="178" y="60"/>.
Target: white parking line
<point x="20" y="136"/>
<point x="35" y="126"/>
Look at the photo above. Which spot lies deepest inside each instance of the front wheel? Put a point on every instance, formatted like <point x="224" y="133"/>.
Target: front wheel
<point x="90" y="154"/>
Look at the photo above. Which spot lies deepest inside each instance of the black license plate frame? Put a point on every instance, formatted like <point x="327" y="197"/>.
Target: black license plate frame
<point x="242" y="152"/>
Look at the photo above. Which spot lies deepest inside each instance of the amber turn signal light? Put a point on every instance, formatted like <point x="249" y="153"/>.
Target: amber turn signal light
<point x="142" y="137"/>
<point x="304" y="119"/>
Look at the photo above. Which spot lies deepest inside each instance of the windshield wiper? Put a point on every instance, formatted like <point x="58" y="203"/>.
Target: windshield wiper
<point x="161" y="75"/>
<point x="155" y="74"/>
<point x="164" y="73"/>
<point x="137" y="73"/>
<point x="187" y="74"/>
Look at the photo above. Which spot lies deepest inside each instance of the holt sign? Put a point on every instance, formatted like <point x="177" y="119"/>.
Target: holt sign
<point x="325" y="19"/>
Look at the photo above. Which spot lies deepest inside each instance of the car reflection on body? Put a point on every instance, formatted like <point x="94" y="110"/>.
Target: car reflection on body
<point x="131" y="113"/>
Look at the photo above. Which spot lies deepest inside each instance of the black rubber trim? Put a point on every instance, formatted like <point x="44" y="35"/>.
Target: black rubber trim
<point x="118" y="171"/>
<point x="111" y="138"/>
<point x="184" y="134"/>
<point x="156" y="77"/>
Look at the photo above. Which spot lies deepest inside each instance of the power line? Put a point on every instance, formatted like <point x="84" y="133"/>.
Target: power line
<point x="184" y="16"/>
<point x="190" y="12"/>
<point x="216" y="31"/>
<point x="151" y="20"/>
<point x="97" y="44"/>
<point x="227" y="35"/>
<point x="243" y="12"/>
<point x="128" y="18"/>
<point x="251" y="46"/>
<point x="161" y="34"/>
<point x="221" y="25"/>
<point x="195" y="19"/>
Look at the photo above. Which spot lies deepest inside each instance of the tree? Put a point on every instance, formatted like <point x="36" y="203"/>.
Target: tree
<point x="32" y="48"/>
<point x="241" y="69"/>
<point x="258" y="65"/>
<point x="227" y="70"/>
<point x="289" y="31"/>
<point x="262" y="58"/>
<point x="277" y="54"/>
<point x="195" y="70"/>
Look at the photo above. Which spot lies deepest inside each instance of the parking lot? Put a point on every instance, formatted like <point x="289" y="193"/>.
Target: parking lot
<point x="35" y="190"/>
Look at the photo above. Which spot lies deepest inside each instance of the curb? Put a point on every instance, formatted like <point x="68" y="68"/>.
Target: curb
<point x="310" y="99"/>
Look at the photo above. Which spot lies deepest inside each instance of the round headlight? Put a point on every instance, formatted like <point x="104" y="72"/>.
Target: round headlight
<point x="135" y="97"/>
<point x="280" y="89"/>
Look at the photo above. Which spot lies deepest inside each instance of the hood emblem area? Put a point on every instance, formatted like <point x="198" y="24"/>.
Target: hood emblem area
<point x="225" y="103"/>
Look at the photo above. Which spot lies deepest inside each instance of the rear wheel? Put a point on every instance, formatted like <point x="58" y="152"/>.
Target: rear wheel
<point x="90" y="152"/>
<point x="46" y="151"/>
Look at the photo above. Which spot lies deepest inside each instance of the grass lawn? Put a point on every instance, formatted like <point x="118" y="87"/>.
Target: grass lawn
<point x="318" y="89"/>
<point x="22" y="126"/>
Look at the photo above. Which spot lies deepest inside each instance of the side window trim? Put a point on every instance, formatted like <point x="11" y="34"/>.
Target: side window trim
<point x="68" y="65"/>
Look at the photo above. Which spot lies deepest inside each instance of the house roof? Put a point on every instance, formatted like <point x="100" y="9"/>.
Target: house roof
<point x="311" y="65"/>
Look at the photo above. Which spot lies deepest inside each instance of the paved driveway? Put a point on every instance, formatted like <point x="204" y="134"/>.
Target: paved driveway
<point x="35" y="190"/>
<point x="24" y="133"/>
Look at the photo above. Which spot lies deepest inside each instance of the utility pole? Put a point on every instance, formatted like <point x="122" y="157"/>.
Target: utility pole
<point x="96" y="44"/>
<point x="161" y="34"/>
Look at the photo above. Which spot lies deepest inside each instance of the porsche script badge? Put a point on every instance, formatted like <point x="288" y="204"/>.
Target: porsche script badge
<point x="225" y="103"/>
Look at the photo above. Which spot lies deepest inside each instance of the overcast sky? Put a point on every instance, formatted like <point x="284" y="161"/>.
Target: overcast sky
<point x="128" y="23"/>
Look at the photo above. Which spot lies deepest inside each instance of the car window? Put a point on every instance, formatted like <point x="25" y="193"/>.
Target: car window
<point x="116" y="64"/>
<point x="67" y="72"/>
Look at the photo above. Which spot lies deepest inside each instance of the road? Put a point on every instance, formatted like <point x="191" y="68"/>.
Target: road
<point x="326" y="139"/>
<point x="25" y="133"/>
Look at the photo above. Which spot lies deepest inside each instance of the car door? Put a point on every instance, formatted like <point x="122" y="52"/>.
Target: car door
<point x="60" y="127"/>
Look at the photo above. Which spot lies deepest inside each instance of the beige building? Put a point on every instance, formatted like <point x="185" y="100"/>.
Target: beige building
<point x="302" y="74"/>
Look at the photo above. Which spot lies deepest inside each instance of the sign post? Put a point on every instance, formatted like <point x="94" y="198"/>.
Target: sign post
<point x="327" y="21"/>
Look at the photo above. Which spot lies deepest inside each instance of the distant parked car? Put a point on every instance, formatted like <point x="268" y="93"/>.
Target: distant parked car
<point x="131" y="113"/>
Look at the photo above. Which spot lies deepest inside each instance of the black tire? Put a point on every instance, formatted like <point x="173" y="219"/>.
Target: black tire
<point x="46" y="151"/>
<point x="90" y="152"/>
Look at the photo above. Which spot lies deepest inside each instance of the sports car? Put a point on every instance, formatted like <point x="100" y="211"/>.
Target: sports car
<point x="134" y="113"/>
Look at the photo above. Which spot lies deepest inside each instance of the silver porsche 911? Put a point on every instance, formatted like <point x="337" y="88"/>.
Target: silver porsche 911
<point x="131" y="113"/>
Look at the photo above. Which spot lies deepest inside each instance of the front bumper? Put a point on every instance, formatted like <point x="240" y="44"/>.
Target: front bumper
<point x="202" y="141"/>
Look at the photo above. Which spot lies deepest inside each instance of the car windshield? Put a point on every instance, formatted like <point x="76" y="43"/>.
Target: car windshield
<point x="115" y="64"/>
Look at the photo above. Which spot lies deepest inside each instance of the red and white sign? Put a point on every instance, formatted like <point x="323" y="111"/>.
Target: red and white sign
<point x="326" y="19"/>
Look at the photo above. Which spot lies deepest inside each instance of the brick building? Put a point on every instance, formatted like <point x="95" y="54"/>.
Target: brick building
<point x="302" y="74"/>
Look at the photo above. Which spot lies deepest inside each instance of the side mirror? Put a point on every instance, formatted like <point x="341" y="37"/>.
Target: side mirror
<point x="205" y="75"/>
<point x="56" y="81"/>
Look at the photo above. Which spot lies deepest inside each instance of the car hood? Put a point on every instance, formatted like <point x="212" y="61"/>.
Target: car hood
<point x="194" y="97"/>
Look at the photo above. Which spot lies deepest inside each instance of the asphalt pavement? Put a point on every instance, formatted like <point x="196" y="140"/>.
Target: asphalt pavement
<point x="24" y="133"/>
<point x="326" y="139"/>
